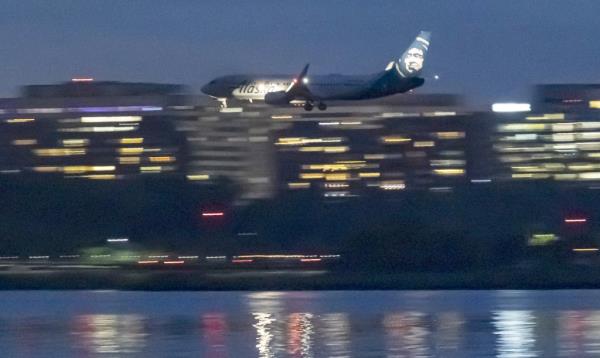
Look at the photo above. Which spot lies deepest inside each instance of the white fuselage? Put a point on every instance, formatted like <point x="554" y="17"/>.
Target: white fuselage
<point x="321" y="87"/>
<point x="257" y="89"/>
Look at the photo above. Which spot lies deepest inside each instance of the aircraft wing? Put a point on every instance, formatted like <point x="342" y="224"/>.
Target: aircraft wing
<point x="298" y="89"/>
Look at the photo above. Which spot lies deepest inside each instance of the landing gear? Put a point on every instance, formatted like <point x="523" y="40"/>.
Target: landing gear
<point x="223" y="102"/>
<point x="309" y="105"/>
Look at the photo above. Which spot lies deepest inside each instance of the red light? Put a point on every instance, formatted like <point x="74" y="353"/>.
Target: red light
<point x="239" y="261"/>
<point x="213" y="213"/>
<point x="575" y="220"/>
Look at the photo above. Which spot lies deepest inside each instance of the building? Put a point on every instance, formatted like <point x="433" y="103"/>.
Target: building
<point x="115" y="130"/>
<point x="562" y="147"/>
<point x="254" y="145"/>
<point x="374" y="146"/>
<point x="232" y="143"/>
<point x="95" y="130"/>
<point x="566" y="97"/>
<point x="558" y="141"/>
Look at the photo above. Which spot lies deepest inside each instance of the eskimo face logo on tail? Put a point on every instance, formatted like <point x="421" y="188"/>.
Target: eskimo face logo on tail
<point x="413" y="62"/>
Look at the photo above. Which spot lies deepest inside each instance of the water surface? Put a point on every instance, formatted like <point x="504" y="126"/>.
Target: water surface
<point x="300" y="324"/>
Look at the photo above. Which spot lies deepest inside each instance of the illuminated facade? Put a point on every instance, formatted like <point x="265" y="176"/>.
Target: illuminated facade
<point x="94" y="130"/>
<point x="549" y="146"/>
<point x="351" y="151"/>
<point x="112" y="130"/>
<point x="266" y="150"/>
<point x="231" y="143"/>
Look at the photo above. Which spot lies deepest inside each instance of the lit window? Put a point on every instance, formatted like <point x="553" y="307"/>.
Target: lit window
<point x="423" y="144"/>
<point x="449" y="172"/>
<point x="299" y="185"/>
<point x="450" y="135"/>
<point x="111" y="119"/>
<point x="395" y="139"/>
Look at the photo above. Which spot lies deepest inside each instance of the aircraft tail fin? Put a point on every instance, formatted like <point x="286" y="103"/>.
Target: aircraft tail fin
<point x="412" y="60"/>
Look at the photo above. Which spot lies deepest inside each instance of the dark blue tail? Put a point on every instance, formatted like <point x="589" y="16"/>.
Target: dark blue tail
<point x="413" y="59"/>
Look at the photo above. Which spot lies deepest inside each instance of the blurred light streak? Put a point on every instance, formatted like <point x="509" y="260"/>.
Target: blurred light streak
<point x="111" y="119"/>
<point x="216" y="257"/>
<point x="511" y="107"/>
<point x="575" y="220"/>
<point x="586" y="249"/>
<point x="213" y="213"/>
<point x="19" y="120"/>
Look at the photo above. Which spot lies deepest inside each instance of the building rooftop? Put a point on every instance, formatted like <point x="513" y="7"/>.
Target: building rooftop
<point x="91" y="88"/>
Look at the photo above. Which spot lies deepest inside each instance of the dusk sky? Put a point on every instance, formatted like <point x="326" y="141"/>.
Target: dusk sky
<point x="486" y="50"/>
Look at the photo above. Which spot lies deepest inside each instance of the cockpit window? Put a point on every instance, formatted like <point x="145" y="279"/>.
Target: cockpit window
<point x="212" y="82"/>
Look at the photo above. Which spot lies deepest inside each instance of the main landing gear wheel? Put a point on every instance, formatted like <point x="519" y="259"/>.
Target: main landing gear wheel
<point x="322" y="106"/>
<point x="308" y="106"/>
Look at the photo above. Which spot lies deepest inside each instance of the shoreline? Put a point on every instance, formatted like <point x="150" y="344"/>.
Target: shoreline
<point x="290" y="280"/>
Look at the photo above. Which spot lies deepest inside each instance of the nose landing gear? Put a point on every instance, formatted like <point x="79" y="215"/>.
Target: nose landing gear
<point x="223" y="102"/>
<point x="308" y="106"/>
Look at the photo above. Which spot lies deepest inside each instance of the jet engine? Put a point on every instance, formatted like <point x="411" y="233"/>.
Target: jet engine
<point x="277" y="98"/>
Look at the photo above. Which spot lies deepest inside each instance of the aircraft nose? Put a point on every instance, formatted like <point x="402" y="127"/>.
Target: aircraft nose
<point x="206" y="89"/>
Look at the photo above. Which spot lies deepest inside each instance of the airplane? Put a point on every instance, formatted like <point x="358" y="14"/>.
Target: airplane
<point x="398" y="77"/>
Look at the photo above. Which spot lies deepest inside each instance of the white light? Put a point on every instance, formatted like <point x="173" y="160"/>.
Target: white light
<point x="305" y="80"/>
<point x="111" y="119"/>
<point x="511" y="107"/>
<point x="231" y="110"/>
<point x="118" y="239"/>
<point x="436" y="77"/>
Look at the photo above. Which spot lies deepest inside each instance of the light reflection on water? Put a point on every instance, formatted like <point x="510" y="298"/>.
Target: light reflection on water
<point x="301" y="324"/>
<point x="109" y="333"/>
<point x="515" y="333"/>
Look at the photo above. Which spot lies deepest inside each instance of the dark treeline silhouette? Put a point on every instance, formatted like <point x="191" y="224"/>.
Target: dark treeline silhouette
<point x="56" y="216"/>
<point x="475" y="226"/>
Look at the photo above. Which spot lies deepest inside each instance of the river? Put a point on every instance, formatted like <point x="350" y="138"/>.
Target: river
<point x="300" y="324"/>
